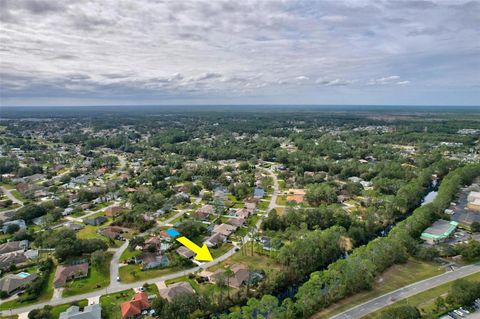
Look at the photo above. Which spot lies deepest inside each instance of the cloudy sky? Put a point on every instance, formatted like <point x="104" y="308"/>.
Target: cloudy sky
<point x="83" y="52"/>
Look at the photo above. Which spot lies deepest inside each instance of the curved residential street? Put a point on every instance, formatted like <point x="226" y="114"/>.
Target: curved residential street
<point x="384" y="300"/>
<point x="116" y="286"/>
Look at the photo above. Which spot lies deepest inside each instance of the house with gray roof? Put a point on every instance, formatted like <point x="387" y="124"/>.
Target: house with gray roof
<point x="93" y="311"/>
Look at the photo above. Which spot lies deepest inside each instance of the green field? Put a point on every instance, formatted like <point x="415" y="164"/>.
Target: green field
<point x="395" y="277"/>
<point x="425" y="301"/>
<point x="98" y="278"/>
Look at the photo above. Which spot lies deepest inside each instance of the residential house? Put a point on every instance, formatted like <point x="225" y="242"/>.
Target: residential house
<point x="215" y="239"/>
<point x="20" y="222"/>
<point x="13" y="246"/>
<point x="152" y="260"/>
<point x="73" y="226"/>
<point x="295" y="198"/>
<point x="153" y="242"/>
<point x="13" y="253"/>
<point x="243" y="213"/>
<point x="96" y="221"/>
<point x="13" y="283"/>
<point x="224" y="229"/>
<point x="113" y="211"/>
<point x="175" y="290"/>
<point x="258" y="193"/>
<point x="65" y="273"/>
<point x="17" y="258"/>
<point x="240" y="276"/>
<point x="134" y="307"/>
<point x="205" y="211"/>
<point x="251" y="205"/>
<point x="237" y="222"/>
<point x="112" y="232"/>
<point x="67" y="211"/>
<point x="93" y="311"/>
<point x="185" y="252"/>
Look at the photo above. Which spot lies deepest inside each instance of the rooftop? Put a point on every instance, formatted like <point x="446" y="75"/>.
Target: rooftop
<point x="440" y="229"/>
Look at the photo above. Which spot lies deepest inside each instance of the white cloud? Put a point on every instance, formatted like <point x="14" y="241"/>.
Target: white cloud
<point x="199" y="49"/>
<point x="335" y="82"/>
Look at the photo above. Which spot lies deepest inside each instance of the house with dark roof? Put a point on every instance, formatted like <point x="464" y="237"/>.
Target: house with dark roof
<point x="240" y="276"/>
<point x="12" y="283"/>
<point x="134" y="307"/>
<point x="112" y="232"/>
<point x="65" y="273"/>
<point x="175" y="290"/>
<point x="185" y="252"/>
<point x="152" y="260"/>
<point x="215" y="239"/>
<point x="96" y="221"/>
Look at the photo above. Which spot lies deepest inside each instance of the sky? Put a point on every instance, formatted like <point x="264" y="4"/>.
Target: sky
<point x="132" y="52"/>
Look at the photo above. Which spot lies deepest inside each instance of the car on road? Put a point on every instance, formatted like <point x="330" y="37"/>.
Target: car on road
<point x="118" y="278"/>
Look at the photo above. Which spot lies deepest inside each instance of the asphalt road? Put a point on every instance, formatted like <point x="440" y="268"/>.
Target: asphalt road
<point x="382" y="301"/>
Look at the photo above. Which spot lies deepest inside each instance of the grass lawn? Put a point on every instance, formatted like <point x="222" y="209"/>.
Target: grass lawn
<point x="46" y="294"/>
<point x="9" y="317"/>
<point x="98" y="277"/>
<point x="425" y="301"/>
<point x="133" y="273"/>
<point x="256" y="261"/>
<point x="89" y="232"/>
<point x="127" y="254"/>
<point x="395" y="277"/>
<point x="204" y="288"/>
<point x="7" y="186"/>
<point x="263" y="205"/>
<point x="100" y="206"/>
<point x="281" y="200"/>
<point x="18" y="195"/>
<point x="111" y="302"/>
<point x="56" y="310"/>
<point x="217" y="252"/>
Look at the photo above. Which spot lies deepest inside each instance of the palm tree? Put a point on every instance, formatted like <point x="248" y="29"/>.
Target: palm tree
<point x="228" y="273"/>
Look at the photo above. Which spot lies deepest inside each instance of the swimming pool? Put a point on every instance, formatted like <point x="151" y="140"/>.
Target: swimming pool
<point x="23" y="274"/>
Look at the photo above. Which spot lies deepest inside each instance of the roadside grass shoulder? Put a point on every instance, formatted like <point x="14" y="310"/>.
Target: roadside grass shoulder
<point x="395" y="277"/>
<point x="425" y="301"/>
